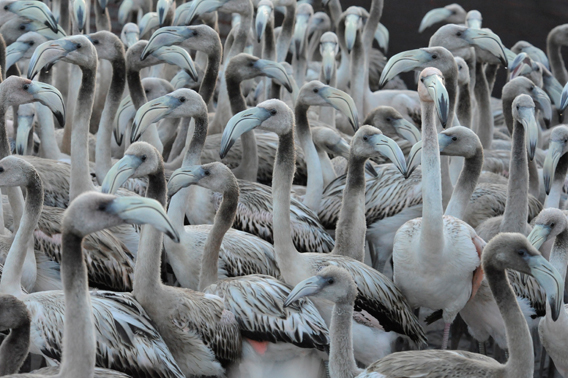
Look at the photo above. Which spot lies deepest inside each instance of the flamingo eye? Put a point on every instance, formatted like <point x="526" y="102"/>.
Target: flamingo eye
<point x="316" y="90"/>
<point x="434" y="56"/>
<point x="454" y="138"/>
<point x="365" y="138"/>
<point x="26" y="86"/>
<point x="206" y="173"/>
<point x="144" y="157"/>
<point x="182" y="99"/>
<point x="459" y="34"/>
<point x="273" y="111"/>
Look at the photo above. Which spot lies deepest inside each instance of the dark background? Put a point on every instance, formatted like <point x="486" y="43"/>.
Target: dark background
<point x="528" y="20"/>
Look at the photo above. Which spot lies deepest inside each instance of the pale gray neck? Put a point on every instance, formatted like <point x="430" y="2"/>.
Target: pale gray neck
<point x="285" y="251"/>
<point x="559" y="253"/>
<point x="431" y="234"/>
<point x="368" y="37"/>
<point x="482" y="95"/>
<point x="341" y="359"/>
<point x="80" y="176"/>
<point x="79" y="339"/>
<point x="328" y="173"/>
<point x="466" y="185"/>
<point x="314" y="190"/>
<point x="556" y="62"/>
<point x="534" y="180"/>
<point x="334" y="12"/>
<point x="48" y="148"/>
<point x="516" y="208"/>
<point x="553" y="198"/>
<point x="223" y="222"/>
<point x="103" y="151"/>
<point x="283" y="42"/>
<point x="521" y="358"/>
<point x="351" y="225"/>
<point x="10" y="282"/>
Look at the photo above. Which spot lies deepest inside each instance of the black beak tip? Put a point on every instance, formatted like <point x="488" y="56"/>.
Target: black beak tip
<point x="20" y="150"/>
<point x="60" y="118"/>
<point x="547" y="122"/>
<point x="288" y="88"/>
<point x="223" y="153"/>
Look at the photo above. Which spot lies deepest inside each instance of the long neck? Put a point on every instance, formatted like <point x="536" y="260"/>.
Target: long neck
<point x="104" y="135"/>
<point x="521" y="358"/>
<point x="327" y="170"/>
<point x="368" y="36"/>
<point x="465" y="185"/>
<point x="556" y="61"/>
<point x="559" y="254"/>
<point x="351" y="226"/>
<point x="432" y="209"/>
<point x="102" y="18"/>
<point x="341" y="359"/>
<point x="248" y="167"/>
<point x="242" y="33"/>
<point x="79" y="340"/>
<point x="464" y="106"/>
<point x="135" y="88"/>
<point x="80" y="177"/>
<point x="209" y="81"/>
<point x="516" y="208"/>
<point x="314" y="190"/>
<point x="358" y="84"/>
<point x="12" y="275"/>
<point x="46" y="128"/>
<point x="485" y="119"/>
<point x="334" y="12"/>
<point x="451" y="77"/>
<point x="285" y="37"/>
<point x="15" y="347"/>
<point x="286" y="253"/>
<point x="223" y="222"/>
<point x="553" y="198"/>
<point x="148" y="263"/>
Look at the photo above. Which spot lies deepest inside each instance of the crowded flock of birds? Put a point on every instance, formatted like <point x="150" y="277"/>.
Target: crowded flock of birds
<point x="277" y="203"/>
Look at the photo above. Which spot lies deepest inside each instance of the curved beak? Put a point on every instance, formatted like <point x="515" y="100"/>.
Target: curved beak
<point x="389" y="149"/>
<point x="306" y="288"/>
<point x="198" y="7"/>
<point x="328" y="52"/>
<point x="555" y="149"/>
<point x="551" y="281"/>
<point x="528" y="120"/>
<point x="433" y="17"/>
<point x="239" y="124"/>
<point x="47" y="54"/>
<point x="510" y="57"/>
<point x="34" y="10"/>
<point x="342" y="102"/>
<point x="148" y="22"/>
<point x="165" y="36"/>
<point x="162" y="9"/>
<point x="564" y="97"/>
<point x="126" y="111"/>
<point x="151" y="112"/>
<point x="539" y="235"/>
<point x="382" y="37"/>
<point x="124" y="11"/>
<point x="49" y="96"/>
<point x="181" y="80"/>
<point x="263" y="15"/>
<point x="15" y="52"/>
<point x="542" y="102"/>
<point x="184" y="177"/>
<point x="119" y="173"/>
<point x="141" y="210"/>
<point x="538" y="55"/>
<point x="414" y="157"/>
<point x="80" y="13"/>
<point x="275" y="71"/>
<point x="403" y="62"/>
<point x="352" y="22"/>
<point x="340" y="148"/>
<point x="439" y="94"/>
<point x="474" y="23"/>
<point x="179" y="57"/>
<point x="407" y="130"/>
<point x="181" y="12"/>
<point x="488" y="41"/>
<point x="25" y="125"/>
<point x="300" y="31"/>
<point x="514" y="66"/>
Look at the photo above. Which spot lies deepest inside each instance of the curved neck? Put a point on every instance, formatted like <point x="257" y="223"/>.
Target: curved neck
<point x="242" y="33"/>
<point x="285" y="37"/>
<point x="15" y="347"/>
<point x="79" y="340"/>
<point x="431" y="234"/>
<point x="485" y="119"/>
<point x="466" y="185"/>
<point x="104" y="135"/>
<point x="285" y="251"/>
<point x="222" y="223"/>
<point x="10" y="282"/>
<point x="556" y="61"/>
<point x="80" y="176"/>
<point x="248" y="167"/>
<point x="135" y="87"/>
<point x="209" y="81"/>
<point x="351" y="225"/>
<point x="314" y="190"/>
<point x="516" y="208"/>
<point x="464" y="106"/>
<point x="341" y="359"/>
<point x="521" y="359"/>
